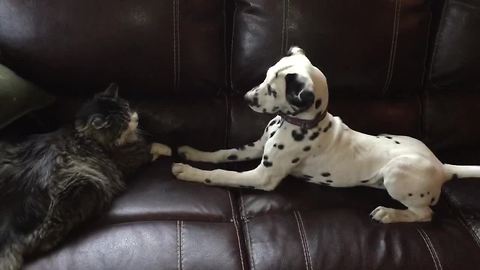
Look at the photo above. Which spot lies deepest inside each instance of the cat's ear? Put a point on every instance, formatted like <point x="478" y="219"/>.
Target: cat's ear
<point x="111" y="91"/>
<point x="98" y="121"/>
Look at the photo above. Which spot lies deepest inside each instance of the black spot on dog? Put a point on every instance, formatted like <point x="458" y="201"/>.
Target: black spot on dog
<point x="208" y="181"/>
<point x="265" y="157"/>
<point x="388" y="137"/>
<point x="397" y="142"/>
<point x="326" y="174"/>
<point x="275" y="109"/>
<point x="274" y="145"/>
<point x="280" y="146"/>
<point x="329" y="181"/>
<point x="307" y="148"/>
<point x="232" y="157"/>
<point x="328" y="126"/>
<point x="297" y="94"/>
<point x="314" y="135"/>
<point x="273" y="122"/>
<point x="251" y="144"/>
<point x="410" y="194"/>
<point x="264" y="110"/>
<point x="295" y="160"/>
<point x="254" y="102"/>
<point x="318" y="103"/>
<point x="421" y="195"/>
<point x="432" y="200"/>
<point x="297" y="136"/>
<point x="364" y="181"/>
<point x="271" y="134"/>
<point x="266" y="130"/>
<point x="267" y="163"/>
<point x="428" y="193"/>
<point x="271" y="92"/>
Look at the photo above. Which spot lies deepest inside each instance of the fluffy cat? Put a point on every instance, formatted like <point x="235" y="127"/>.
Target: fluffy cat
<point x="51" y="182"/>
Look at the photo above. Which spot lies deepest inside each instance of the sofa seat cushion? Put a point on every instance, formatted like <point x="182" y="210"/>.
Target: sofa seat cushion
<point x="306" y="226"/>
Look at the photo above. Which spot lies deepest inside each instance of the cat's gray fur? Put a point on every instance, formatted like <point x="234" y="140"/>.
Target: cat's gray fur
<point x="50" y="183"/>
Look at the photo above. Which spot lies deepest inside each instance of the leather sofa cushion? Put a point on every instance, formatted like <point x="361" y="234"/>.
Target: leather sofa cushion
<point x="147" y="46"/>
<point x="365" y="48"/>
<point x="456" y="57"/>
<point x="307" y="226"/>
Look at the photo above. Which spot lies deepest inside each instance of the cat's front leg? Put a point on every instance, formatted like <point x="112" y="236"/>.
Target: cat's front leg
<point x="158" y="149"/>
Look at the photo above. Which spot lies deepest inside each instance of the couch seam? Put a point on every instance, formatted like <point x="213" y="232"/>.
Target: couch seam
<point x="435" y="42"/>
<point x="303" y="240"/>
<point x="235" y="224"/>
<point x="178" y="247"/>
<point x="232" y="44"/>
<point x="182" y="243"/>
<point x="393" y="48"/>
<point x="430" y="248"/>
<point x="178" y="42"/>
<point x="225" y="64"/>
<point x="174" y="48"/>
<point x="249" y="239"/>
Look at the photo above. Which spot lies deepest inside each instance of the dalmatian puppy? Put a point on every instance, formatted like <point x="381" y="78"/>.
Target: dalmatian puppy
<point x="306" y="141"/>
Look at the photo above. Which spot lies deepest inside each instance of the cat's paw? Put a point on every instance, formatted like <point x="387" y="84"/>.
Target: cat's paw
<point x="184" y="172"/>
<point x="188" y="153"/>
<point x="158" y="149"/>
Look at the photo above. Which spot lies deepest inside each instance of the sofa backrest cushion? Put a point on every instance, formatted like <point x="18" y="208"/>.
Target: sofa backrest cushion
<point x="154" y="47"/>
<point x="371" y="48"/>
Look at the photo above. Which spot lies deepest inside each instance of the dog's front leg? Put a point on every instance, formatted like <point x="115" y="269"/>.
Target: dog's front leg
<point x="246" y="152"/>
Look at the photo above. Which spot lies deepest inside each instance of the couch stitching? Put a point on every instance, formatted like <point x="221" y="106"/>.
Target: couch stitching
<point x="235" y="224"/>
<point x="282" y="46"/>
<point x="306" y="241"/>
<point x="225" y="64"/>
<point x="232" y="44"/>
<point x="302" y="240"/>
<point x="435" y="41"/>
<point x="425" y="59"/>
<point x="178" y="246"/>
<point x="428" y="247"/>
<point x="433" y="249"/>
<point x="174" y="48"/>
<point x="473" y="234"/>
<point x="182" y="243"/>
<point x="249" y="239"/>
<point x="286" y="26"/>
<point x="178" y="40"/>
<point x="391" y="61"/>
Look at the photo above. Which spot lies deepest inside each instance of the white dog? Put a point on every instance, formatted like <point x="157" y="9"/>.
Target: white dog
<point x="305" y="141"/>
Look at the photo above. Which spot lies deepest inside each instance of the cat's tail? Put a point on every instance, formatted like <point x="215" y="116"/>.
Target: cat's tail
<point x="461" y="171"/>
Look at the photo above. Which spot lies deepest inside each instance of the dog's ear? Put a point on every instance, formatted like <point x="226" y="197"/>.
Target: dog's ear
<point x="295" y="50"/>
<point x="110" y="92"/>
<point x="296" y="92"/>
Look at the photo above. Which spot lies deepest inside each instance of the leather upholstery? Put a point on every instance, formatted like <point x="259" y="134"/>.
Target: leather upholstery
<point x="364" y="48"/>
<point x="155" y="47"/>
<point x="401" y="67"/>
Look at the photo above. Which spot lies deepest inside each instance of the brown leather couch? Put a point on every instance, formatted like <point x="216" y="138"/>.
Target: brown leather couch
<point x="395" y="66"/>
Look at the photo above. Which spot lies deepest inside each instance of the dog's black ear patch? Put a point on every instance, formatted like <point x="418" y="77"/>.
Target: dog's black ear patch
<point x="296" y="93"/>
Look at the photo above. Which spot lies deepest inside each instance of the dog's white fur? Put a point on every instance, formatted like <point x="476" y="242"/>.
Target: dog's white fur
<point x="331" y="153"/>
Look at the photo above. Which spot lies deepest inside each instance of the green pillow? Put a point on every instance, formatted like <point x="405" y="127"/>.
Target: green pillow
<point x="18" y="97"/>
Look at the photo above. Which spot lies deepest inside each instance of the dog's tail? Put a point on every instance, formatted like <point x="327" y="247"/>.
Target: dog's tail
<point x="461" y="171"/>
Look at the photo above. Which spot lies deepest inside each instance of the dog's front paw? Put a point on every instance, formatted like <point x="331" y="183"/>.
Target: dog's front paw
<point x="184" y="172"/>
<point x="188" y="153"/>
<point x="158" y="149"/>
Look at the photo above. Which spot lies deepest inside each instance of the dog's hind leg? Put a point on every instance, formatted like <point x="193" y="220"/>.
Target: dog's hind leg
<point x="416" y="183"/>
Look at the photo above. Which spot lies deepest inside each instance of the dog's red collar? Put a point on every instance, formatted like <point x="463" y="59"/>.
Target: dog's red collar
<point x="306" y="124"/>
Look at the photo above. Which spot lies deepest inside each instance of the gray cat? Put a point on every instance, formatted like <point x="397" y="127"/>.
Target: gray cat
<point x="51" y="182"/>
